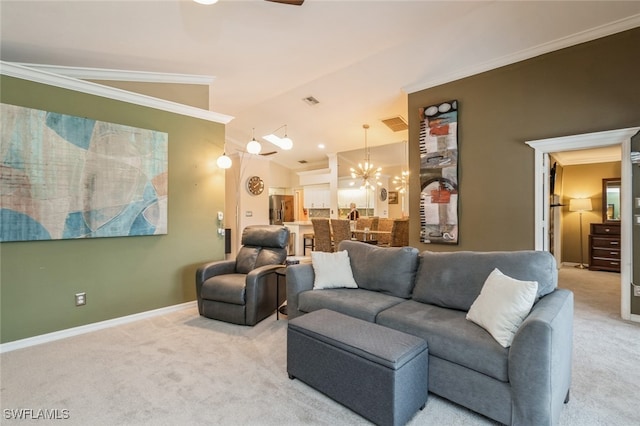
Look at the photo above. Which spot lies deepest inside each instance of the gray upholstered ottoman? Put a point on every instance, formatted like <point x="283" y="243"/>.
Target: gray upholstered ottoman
<point x="375" y="371"/>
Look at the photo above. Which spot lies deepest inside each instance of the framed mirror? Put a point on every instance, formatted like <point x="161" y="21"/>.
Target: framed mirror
<point x="611" y="200"/>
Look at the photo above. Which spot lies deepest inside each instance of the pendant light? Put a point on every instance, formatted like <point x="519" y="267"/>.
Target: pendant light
<point x="367" y="172"/>
<point x="253" y="146"/>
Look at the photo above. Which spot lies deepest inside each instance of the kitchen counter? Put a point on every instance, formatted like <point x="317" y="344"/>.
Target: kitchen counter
<point x="298" y="229"/>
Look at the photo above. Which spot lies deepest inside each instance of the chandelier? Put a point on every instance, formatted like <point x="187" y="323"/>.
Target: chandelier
<point x="367" y="172"/>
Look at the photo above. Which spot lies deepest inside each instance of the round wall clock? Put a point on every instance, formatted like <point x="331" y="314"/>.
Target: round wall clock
<point x="255" y="185"/>
<point x="383" y="194"/>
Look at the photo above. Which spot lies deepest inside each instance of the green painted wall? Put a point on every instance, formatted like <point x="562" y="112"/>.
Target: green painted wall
<point x="586" y="88"/>
<point x="121" y="276"/>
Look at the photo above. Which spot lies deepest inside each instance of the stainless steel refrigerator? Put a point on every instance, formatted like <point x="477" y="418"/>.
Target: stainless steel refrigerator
<point x="280" y="209"/>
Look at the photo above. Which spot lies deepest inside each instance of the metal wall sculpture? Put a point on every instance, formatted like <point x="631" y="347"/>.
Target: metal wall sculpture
<point x="65" y="177"/>
<point x="439" y="173"/>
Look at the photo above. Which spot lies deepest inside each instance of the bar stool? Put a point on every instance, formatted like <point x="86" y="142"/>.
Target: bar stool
<point x="308" y="241"/>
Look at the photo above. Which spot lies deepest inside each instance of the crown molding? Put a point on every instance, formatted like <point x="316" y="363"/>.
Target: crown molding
<point x="83" y="73"/>
<point x="621" y="25"/>
<point x="65" y="82"/>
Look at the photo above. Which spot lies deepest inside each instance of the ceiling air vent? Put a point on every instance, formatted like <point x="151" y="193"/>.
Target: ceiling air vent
<point x="311" y="101"/>
<point x="396" y="124"/>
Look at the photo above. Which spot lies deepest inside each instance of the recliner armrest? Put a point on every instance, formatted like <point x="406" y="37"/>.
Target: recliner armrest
<point x="258" y="282"/>
<point x="211" y="269"/>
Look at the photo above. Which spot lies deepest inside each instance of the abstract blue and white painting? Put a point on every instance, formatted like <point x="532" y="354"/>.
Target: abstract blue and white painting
<point x="66" y="177"/>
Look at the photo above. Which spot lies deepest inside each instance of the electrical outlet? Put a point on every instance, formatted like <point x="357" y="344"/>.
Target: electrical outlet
<point x="636" y="290"/>
<point x="81" y="299"/>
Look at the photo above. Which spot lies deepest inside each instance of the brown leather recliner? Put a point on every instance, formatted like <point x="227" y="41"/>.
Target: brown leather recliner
<point x="243" y="291"/>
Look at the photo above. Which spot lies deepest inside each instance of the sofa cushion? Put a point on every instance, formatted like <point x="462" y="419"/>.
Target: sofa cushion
<point x="503" y="304"/>
<point x="454" y="280"/>
<point x="271" y="256"/>
<point x="449" y="336"/>
<point x="228" y="288"/>
<point x="358" y="303"/>
<point x="389" y="270"/>
<point x="246" y="259"/>
<point x="332" y="270"/>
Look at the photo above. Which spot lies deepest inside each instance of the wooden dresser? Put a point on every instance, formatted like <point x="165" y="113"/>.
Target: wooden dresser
<point x="604" y="247"/>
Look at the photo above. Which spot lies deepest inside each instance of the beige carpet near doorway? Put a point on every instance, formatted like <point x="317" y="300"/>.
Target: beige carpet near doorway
<point x="187" y="370"/>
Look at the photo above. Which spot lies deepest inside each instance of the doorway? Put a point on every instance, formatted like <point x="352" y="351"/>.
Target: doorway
<point x="542" y="149"/>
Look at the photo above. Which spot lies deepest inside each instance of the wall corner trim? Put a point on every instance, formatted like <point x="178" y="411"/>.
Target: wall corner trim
<point x="88" y="328"/>
<point x="65" y="82"/>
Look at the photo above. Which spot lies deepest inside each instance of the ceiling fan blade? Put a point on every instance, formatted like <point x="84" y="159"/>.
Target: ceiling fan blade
<point x="268" y="153"/>
<point x="291" y="2"/>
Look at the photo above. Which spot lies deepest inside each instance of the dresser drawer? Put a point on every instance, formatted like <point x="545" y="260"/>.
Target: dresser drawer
<point x="606" y="253"/>
<point x="605" y="243"/>
<point x="605" y="229"/>
<point x="604" y="263"/>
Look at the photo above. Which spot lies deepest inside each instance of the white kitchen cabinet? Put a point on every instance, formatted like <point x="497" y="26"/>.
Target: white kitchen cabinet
<point x="346" y="196"/>
<point x="316" y="198"/>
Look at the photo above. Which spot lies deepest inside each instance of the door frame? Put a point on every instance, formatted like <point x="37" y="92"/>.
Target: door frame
<point x="542" y="149"/>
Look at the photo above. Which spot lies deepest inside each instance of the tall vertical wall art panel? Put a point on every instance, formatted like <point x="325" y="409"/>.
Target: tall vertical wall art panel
<point x="439" y="173"/>
<point x="65" y="177"/>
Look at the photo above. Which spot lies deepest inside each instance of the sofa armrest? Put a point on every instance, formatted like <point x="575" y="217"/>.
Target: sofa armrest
<point x="300" y="278"/>
<point x="540" y="360"/>
<point x="211" y="269"/>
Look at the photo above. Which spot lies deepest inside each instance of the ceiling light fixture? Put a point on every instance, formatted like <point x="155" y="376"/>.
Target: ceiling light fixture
<point x="253" y="146"/>
<point x="206" y="2"/>
<point x="224" y="162"/>
<point x="367" y="171"/>
<point x="283" y="143"/>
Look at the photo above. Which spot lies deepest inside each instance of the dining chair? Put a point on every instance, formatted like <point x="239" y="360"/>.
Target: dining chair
<point x="400" y="233"/>
<point x="322" y="234"/>
<point x="370" y="222"/>
<point x="341" y="230"/>
<point x="385" y="224"/>
<point x="308" y="242"/>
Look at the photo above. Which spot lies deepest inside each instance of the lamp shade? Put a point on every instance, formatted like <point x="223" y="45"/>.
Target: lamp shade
<point x="224" y="162"/>
<point x="580" y="204"/>
<point x="254" y="147"/>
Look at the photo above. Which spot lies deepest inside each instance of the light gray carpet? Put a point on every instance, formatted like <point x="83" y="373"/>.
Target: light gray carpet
<point x="183" y="369"/>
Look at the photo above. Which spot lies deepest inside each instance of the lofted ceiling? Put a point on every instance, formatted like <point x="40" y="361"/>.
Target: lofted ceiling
<point x="358" y="58"/>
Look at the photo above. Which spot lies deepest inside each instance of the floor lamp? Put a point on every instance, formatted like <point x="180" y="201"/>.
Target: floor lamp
<point x="580" y="205"/>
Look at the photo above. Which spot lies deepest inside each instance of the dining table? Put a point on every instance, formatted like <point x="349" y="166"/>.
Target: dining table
<point x="368" y="235"/>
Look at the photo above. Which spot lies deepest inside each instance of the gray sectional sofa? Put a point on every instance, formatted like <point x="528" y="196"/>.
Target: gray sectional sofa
<point x="428" y="295"/>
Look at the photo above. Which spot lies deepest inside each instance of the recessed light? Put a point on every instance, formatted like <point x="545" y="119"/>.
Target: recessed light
<point x="321" y="146"/>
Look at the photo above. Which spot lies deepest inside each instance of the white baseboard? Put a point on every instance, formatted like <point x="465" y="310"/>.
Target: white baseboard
<point x="75" y="331"/>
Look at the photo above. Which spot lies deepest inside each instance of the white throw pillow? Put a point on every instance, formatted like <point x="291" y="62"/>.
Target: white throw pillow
<point x="333" y="270"/>
<point x="502" y="305"/>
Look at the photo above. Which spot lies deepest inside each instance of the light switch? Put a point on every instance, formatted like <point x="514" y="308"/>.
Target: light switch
<point x="248" y="213"/>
